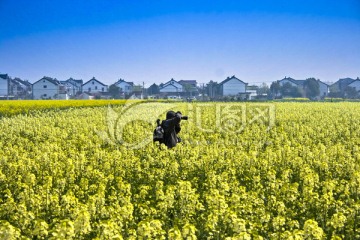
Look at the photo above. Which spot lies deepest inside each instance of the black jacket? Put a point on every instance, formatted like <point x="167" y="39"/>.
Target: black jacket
<point x="171" y="129"/>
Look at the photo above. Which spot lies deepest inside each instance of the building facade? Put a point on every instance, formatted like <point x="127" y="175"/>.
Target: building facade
<point x="4" y="85"/>
<point x="94" y="86"/>
<point x="48" y="88"/>
<point x="232" y="86"/>
<point x="125" y="87"/>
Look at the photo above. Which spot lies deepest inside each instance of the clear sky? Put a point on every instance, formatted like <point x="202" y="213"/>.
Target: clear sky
<point x="153" y="41"/>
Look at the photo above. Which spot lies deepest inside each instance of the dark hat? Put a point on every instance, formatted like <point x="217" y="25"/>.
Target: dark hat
<point x="170" y="114"/>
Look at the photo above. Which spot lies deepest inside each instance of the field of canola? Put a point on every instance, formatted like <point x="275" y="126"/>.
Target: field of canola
<point x="291" y="172"/>
<point x="11" y="108"/>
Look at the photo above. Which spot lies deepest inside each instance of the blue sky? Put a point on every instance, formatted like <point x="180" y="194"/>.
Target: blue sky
<point x="153" y="41"/>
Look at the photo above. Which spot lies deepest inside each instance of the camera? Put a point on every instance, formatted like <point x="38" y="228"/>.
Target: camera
<point x="182" y="117"/>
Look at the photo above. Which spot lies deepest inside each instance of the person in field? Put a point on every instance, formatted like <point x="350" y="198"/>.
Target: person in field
<point x="171" y="128"/>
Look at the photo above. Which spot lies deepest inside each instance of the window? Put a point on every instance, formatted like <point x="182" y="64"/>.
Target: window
<point x="102" y="89"/>
<point x="95" y="87"/>
<point x="45" y="86"/>
<point x="93" y="82"/>
<point x="89" y="89"/>
<point x="45" y="95"/>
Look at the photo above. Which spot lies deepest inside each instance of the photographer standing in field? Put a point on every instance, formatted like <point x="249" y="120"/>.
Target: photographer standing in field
<point x="171" y="128"/>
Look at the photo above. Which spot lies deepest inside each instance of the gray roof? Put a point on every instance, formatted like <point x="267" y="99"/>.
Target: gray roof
<point x="4" y="76"/>
<point x="297" y="82"/>
<point x="229" y="78"/>
<point x="52" y="80"/>
<point x="122" y="80"/>
<point x="94" y="79"/>
<point x="342" y="83"/>
<point x="191" y="82"/>
<point x="26" y="83"/>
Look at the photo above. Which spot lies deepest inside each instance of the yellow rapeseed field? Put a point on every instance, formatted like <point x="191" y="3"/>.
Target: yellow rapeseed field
<point x="243" y="171"/>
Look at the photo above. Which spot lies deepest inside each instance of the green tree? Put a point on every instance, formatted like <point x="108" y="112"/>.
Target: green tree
<point x="350" y="92"/>
<point x="263" y="89"/>
<point x="211" y="89"/>
<point x="312" y="88"/>
<point x="114" y="91"/>
<point x="286" y="90"/>
<point x="153" y="89"/>
<point x="188" y="89"/>
<point x="289" y="90"/>
<point x="275" y="88"/>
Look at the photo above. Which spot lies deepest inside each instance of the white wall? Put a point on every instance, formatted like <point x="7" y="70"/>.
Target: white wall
<point x="172" y="86"/>
<point x="324" y="89"/>
<point x="3" y="87"/>
<point x="94" y="86"/>
<point x="45" y="89"/>
<point x="355" y="84"/>
<point x="170" y="89"/>
<point x="73" y="86"/>
<point x="125" y="87"/>
<point x="233" y="87"/>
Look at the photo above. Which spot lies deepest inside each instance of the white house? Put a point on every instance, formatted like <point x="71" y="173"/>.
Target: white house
<point x="73" y="86"/>
<point x="189" y="86"/>
<point x="323" y="87"/>
<point x="355" y="84"/>
<point x="252" y="94"/>
<point x="125" y="87"/>
<point x="232" y="86"/>
<point x="341" y="84"/>
<point x="292" y="82"/>
<point x="19" y="88"/>
<point x="171" y="87"/>
<point x="48" y="88"/>
<point x="94" y="86"/>
<point x="191" y="83"/>
<point x="4" y="85"/>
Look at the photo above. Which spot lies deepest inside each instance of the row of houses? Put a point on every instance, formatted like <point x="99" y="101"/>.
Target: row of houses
<point x="51" y="88"/>
<point x="343" y="88"/>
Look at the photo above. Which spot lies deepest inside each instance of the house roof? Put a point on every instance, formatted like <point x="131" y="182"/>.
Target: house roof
<point x="342" y="83"/>
<point x="73" y="82"/>
<point x="323" y="82"/>
<point x="230" y="78"/>
<point x="16" y="82"/>
<point x="167" y="85"/>
<point x="170" y="82"/>
<point x="49" y="79"/>
<point x="154" y="85"/>
<point x="123" y="81"/>
<point x="356" y="80"/>
<point x="25" y="83"/>
<point x="94" y="79"/>
<point x="4" y="76"/>
<point x="191" y="82"/>
<point x="78" y="81"/>
<point x="298" y="82"/>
